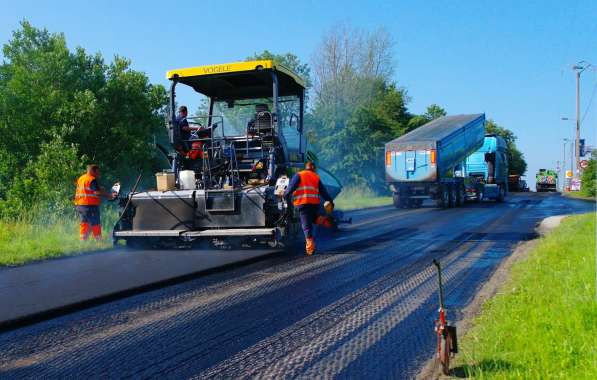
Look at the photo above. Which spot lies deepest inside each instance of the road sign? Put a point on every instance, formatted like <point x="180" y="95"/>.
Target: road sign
<point x="568" y="173"/>
<point x="575" y="185"/>
<point x="584" y="164"/>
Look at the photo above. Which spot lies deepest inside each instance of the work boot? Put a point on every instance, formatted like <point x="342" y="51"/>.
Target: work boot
<point x="84" y="230"/>
<point x="96" y="230"/>
<point x="310" y="246"/>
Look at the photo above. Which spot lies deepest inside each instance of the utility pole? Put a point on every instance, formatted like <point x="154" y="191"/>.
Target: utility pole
<point x="578" y="68"/>
<point x="577" y="142"/>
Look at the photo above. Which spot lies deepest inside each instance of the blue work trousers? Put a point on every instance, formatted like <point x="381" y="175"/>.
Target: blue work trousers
<point x="308" y="214"/>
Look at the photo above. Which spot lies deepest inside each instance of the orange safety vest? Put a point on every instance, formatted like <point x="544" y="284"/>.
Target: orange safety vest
<point x="84" y="195"/>
<point x="308" y="190"/>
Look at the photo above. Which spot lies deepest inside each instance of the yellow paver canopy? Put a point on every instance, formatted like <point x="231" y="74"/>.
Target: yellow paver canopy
<point x="239" y="80"/>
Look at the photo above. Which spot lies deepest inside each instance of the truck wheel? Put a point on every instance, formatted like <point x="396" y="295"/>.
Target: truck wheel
<point x="501" y="194"/>
<point x="453" y="196"/>
<point x="479" y="196"/>
<point x="396" y="200"/>
<point x="444" y="198"/>
<point x="460" y="196"/>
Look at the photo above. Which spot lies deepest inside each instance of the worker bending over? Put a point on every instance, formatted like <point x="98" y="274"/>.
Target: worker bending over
<point x="87" y="202"/>
<point x="307" y="190"/>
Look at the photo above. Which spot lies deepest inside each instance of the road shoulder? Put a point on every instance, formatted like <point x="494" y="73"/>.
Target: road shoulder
<point x="499" y="278"/>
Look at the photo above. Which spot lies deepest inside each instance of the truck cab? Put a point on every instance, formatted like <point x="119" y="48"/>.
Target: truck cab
<point x="487" y="170"/>
<point x="546" y="180"/>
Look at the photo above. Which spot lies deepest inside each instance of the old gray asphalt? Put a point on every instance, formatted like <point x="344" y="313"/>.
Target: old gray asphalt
<point x="362" y="308"/>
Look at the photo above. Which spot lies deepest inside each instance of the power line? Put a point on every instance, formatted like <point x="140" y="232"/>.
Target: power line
<point x="589" y="103"/>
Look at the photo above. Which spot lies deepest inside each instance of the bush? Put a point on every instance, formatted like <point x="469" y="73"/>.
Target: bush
<point x="589" y="179"/>
<point x="355" y="197"/>
<point x="61" y="108"/>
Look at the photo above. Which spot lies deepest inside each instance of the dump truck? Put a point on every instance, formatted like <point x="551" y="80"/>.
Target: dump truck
<point x="487" y="171"/>
<point x="225" y="176"/>
<point x="546" y="180"/>
<point x="428" y="162"/>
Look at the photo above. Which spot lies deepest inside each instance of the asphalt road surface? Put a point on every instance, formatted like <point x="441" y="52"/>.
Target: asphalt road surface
<point x="362" y="308"/>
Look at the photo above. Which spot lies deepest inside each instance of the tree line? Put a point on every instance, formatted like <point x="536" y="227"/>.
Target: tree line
<point x="62" y="108"/>
<point x="356" y="106"/>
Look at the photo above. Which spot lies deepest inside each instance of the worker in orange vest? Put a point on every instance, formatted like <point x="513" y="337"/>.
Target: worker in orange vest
<point x="87" y="202"/>
<point x="307" y="191"/>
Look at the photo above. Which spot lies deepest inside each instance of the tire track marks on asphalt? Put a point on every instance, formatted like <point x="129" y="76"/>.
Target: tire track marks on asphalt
<point x="72" y="362"/>
<point x="136" y="322"/>
<point x="291" y="351"/>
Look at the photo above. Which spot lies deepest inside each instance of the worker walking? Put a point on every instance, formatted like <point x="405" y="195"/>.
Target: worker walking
<point x="307" y="190"/>
<point x="87" y="202"/>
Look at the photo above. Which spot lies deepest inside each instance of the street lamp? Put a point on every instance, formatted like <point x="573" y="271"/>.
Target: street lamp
<point x="560" y="179"/>
<point x="564" y="118"/>
<point x="564" y="187"/>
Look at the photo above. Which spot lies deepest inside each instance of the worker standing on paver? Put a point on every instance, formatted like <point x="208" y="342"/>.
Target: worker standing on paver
<point x="307" y="190"/>
<point x="87" y="202"/>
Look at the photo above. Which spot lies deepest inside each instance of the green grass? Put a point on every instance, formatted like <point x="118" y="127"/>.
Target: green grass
<point x="352" y="198"/>
<point x="31" y="239"/>
<point x="578" y="195"/>
<point x="544" y="324"/>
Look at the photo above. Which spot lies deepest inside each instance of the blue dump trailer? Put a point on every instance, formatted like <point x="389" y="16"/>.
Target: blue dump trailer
<point x="487" y="171"/>
<point x="429" y="162"/>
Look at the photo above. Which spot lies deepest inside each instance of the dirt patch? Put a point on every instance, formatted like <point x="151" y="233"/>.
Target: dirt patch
<point x="492" y="287"/>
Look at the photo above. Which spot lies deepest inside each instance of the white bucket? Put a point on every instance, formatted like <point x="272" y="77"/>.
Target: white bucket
<point x="187" y="179"/>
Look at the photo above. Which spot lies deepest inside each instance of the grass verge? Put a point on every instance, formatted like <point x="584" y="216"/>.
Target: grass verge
<point x="579" y="195"/>
<point x="32" y="239"/>
<point x="543" y="324"/>
<point x="352" y="198"/>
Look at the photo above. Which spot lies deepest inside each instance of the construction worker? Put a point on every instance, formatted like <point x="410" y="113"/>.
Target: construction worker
<point x="87" y="202"/>
<point x="196" y="147"/>
<point x="183" y="123"/>
<point x="307" y="190"/>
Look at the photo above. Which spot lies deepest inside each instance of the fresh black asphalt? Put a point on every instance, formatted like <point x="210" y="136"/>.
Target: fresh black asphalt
<point x="363" y="307"/>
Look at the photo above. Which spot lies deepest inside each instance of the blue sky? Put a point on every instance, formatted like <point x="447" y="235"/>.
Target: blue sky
<point x="509" y="59"/>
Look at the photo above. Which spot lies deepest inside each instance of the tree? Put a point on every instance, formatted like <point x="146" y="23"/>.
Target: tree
<point x="434" y="112"/>
<point x="351" y="68"/>
<point x="431" y="113"/>
<point x="60" y="109"/>
<point x="289" y="60"/>
<point x="346" y="65"/>
<point x="517" y="163"/>
<point x="357" y="107"/>
<point x="589" y="177"/>
<point x="355" y="153"/>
